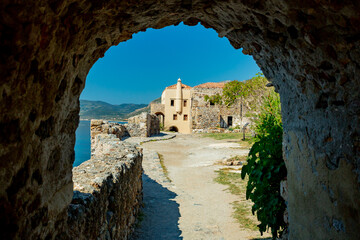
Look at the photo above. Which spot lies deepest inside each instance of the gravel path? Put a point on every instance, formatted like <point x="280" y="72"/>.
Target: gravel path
<point x="192" y="206"/>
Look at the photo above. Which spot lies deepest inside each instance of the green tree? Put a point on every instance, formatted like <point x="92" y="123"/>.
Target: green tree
<point x="256" y="83"/>
<point x="213" y="99"/>
<point x="235" y="90"/>
<point x="242" y="89"/>
<point x="266" y="168"/>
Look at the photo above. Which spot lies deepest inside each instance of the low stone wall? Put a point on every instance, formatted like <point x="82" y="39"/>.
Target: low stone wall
<point x="99" y="126"/>
<point x="143" y="125"/>
<point x="108" y="187"/>
<point x="107" y="191"/>
<point x="222" y="130"/>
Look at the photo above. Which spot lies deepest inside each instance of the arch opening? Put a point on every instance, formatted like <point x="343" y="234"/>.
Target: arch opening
<point x="161" y="117"/>
<point x="173" y="129"/>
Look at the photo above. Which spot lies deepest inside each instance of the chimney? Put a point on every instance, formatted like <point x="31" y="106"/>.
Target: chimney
<point x="178" y="97"/>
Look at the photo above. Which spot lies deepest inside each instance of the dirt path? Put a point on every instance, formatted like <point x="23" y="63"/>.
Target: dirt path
<point x="192" y="206"/>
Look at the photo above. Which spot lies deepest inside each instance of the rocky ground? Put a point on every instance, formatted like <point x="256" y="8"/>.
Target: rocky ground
<point x="191" y="205"/>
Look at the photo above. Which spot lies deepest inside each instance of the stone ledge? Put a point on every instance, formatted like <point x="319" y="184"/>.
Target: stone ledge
<point x="159" y="137"/>
<point x="107" y="192"/>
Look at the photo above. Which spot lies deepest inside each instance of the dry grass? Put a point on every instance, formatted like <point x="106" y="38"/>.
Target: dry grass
<point x="242" y="208"/>
<point x="247" y="143"/>
<point x="222" y="136"/>
<point x="164" y="168"/>
<point x="242" y="158"/>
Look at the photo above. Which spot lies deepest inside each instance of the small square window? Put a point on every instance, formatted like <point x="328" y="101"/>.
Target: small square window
<point x="212" y="103"/>
<point x="174" y="117"/>
<point x="185" y="117"/>
<point x="172" y="103"/>
<point x="185" y="103"/>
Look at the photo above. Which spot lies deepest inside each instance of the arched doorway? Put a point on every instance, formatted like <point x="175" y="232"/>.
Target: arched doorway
<point x="161" y="118"/>
<point x="173" y="129"/>
<point x="309" y="50"/>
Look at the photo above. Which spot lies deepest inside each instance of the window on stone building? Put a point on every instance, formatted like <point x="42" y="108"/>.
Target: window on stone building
<point x="171" y="102"/>
<point x="174" y="117"/>
<point x="185" y="117"/>
<point x="185" y="103"/>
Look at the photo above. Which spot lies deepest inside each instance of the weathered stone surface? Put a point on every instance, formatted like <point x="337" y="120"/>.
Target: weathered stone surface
<point x="98" y="126"/>
<point x="107" y="192"/>
<point x="143" y="125"/>
<point x="308" y="49"/>
<point x="156" y="108"/>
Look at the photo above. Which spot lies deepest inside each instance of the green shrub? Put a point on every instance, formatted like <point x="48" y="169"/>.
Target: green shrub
<point x="266" y="168"/>
<point x="213" y="99"/>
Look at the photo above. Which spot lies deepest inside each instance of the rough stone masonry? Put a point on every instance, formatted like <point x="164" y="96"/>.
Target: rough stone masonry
<point x="310" y="50"/>
<point x="142" y="125"/>
<point x="107" y="191"/>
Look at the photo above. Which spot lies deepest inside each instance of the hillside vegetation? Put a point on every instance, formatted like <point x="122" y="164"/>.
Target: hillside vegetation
<point x="103" y="110"/>
<point x="141" y="110"/>
<point x="248" y="93"/>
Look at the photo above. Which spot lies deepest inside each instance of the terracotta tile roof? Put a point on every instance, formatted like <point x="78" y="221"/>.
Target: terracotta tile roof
<point x="211" y="85"/>
<point x="182" y="86"/>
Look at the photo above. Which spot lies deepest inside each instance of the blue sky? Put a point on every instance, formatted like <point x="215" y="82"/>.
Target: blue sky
<point x="138" y="70"/>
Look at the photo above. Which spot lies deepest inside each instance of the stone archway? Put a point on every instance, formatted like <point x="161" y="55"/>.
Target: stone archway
<point x="308" y="49"/>
<point x="173" y="129"/>
<point x="161" y="117"/>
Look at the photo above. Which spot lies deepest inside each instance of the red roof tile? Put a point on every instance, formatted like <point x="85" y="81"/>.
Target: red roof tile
<point x="211" y="85"/>
<point x="182" y="86"/>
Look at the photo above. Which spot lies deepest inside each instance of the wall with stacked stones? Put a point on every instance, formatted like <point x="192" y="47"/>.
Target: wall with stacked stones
<point x="206" y="117"/>
<point x="157" y="108"/>
<point x="143" y="125"/>
<point x="107" y="191"/>
<point x="99" y="126"/>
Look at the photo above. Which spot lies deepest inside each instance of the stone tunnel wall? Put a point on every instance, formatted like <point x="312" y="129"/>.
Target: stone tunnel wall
<point x="309" y="50"/>
<point x="107" y="192"/>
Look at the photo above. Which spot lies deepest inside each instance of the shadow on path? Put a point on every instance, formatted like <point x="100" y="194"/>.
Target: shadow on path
<point x="160" y="213"/>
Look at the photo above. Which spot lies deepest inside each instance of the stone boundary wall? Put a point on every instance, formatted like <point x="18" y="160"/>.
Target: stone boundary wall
<point x="107" y="191"/>
<point x="143" y="125"/>
<point x="205" y="117"/>
<point x="99" y="126"/>
<point x="157" y="108"/>
<point x="108" y="187"/>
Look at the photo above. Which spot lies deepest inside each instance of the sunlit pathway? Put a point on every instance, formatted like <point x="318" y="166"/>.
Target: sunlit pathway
<point x="192" y="206"/>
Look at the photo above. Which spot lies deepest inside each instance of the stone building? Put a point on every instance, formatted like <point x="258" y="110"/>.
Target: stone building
<point x="184" y="109"/>
<point x="174" y="109"/>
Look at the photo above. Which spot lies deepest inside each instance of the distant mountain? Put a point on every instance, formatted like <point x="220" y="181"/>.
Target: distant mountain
<point x="141" y="110"/>
<point x="103" y="110"/>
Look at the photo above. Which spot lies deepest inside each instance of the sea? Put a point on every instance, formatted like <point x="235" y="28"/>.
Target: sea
<point x="83" y="143"/>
